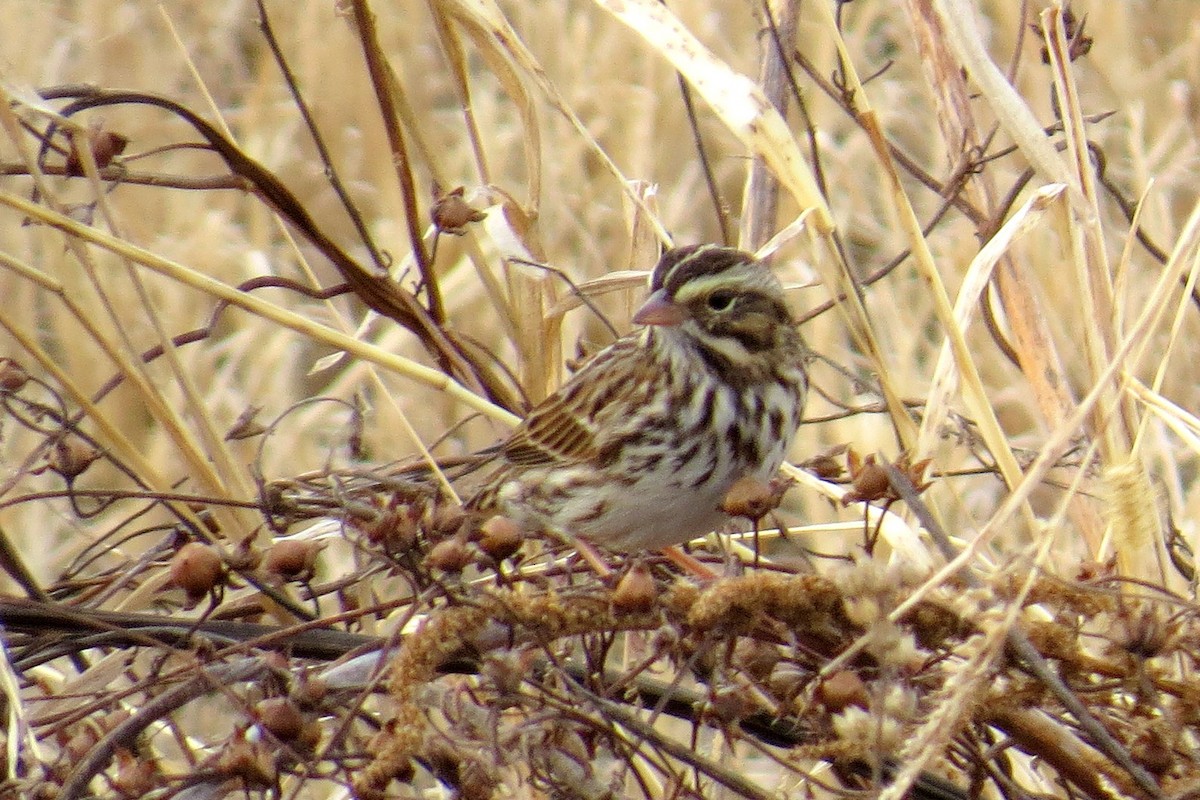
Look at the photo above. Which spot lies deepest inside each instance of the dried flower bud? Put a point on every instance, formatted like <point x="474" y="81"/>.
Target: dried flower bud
<point x="13" y="376"/>
<point x="250" y="761"/>
<point x="870" y="480"/>
<point x="447" y="519"/>
<point x="635" y="592"/>
<point x="395" y="529"/>
<point x="197" y="569"/>
<point x="293" y="559"/>
<point x="753" y="498"/>
<point x="451" y="213"/>
<point x="841" y="690"/>
<point x="135" y="776"/>
<point x="246" y="426"/>
<point x="280" y="717"/>
<point x="71" y="456"/>
<point x="450" y="555"/>
<point x="500" y="537"/>
<point x="245" y="556"/>
<point x="105" y="146"/>
<point x="825" y="465"/>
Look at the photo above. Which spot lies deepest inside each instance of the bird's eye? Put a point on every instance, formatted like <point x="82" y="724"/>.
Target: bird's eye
<point x="720" y="301"/>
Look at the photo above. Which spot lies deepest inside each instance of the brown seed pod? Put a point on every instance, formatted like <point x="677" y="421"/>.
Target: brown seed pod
<point x="293" y="559"/>
<point x="753" y="498"/>
<point x="450" y="555"/>
<point x="250" y="761"/>
<point x="841" y="690"/>
<point x="13" y="376"/>
<point x="635" y="592"/>
<point x="104" y="144"/>
<point x="135" y="776"/>
<point x="870" y="480"/>
<point x="451" y="213"/>
<point x="825" y="465"/>
<point x="197" y="569"/>
<point x="280" y="717"/>
<point x="396" y="529"/>
<point x="245" y="556"/>
<point x="71" y="456"/>
<point x="447" y="519"/>
<point x="500" y="537"/>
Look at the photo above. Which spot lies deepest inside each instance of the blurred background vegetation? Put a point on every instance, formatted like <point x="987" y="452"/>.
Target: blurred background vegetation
<point x="567" y="125"/>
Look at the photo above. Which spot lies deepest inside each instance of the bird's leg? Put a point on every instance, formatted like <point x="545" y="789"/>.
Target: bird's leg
<point x="689" y="563"/>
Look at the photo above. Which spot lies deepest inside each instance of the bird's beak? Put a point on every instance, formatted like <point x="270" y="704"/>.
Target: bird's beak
<point x="659" y="310"/>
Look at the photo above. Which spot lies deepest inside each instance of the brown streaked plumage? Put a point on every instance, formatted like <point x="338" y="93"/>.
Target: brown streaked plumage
<point x="639" y="448"/>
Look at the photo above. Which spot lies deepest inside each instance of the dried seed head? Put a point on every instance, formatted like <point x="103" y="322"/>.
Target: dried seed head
<point x="870" y="480"/>
<point x="635" y="592"/>
<point x="245" y="556"/>
<point x="293" y="559"/>
<point x="250" y="761"/>
<point x="280" y="717"/>
<point x="447" y="519"/>
<point x="825" y="465"/>
<point x="104" y="144"/>
<point x="753" y="498"/>
<point x="197" y="569"/>
<point x="13" y="376"/>
<point x="135" y="776"/>
<point x="842" y="689"/>
<point x="450" y="555"/>
<point x="71" y="456"/>
<point x="451" y="213"/>
<point x="393" y="528"/>
<point x="500" y="537"/>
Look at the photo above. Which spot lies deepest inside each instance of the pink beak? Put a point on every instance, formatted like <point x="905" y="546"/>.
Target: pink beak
<point x="659" y="310"/>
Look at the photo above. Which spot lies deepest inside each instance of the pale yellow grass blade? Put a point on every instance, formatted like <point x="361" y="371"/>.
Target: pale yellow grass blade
<point x="945" y="383"/>
<point x="288" y="319"/>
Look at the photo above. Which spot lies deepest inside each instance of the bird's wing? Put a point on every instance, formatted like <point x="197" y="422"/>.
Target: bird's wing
<point x="565" y="427"/>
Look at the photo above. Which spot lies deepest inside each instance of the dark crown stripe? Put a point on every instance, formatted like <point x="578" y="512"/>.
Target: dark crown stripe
<point x="682" y="264"/>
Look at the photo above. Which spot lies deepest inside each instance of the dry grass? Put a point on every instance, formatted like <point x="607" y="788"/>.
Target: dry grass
<point x="1055" y="473"/>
